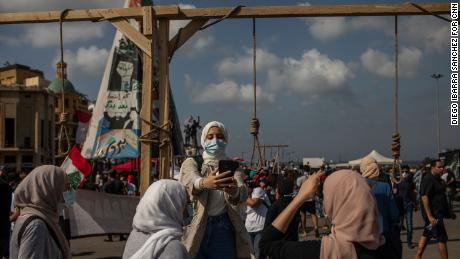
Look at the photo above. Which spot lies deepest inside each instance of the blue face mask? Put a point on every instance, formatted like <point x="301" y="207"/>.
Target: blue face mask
<point x="215" y="146"/>
<point x="69" y="198"/>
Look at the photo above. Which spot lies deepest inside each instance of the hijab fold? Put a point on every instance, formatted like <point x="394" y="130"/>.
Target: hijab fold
<point x="209" y="159"/>
<point x="369" y="168"/>
<point x="39" y="194"/>
<point x="160" y="214"/>
<point x="349" y="201"/>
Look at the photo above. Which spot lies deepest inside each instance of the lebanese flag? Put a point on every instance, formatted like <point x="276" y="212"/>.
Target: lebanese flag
<point x="83" y="125"/>
<point x="76" y="167"/>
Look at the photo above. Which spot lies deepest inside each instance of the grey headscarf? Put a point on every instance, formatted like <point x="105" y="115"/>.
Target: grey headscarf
<point x="39" y="194"/>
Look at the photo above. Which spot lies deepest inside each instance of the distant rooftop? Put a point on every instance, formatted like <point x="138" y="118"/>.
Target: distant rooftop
<point x="19" y="66"/>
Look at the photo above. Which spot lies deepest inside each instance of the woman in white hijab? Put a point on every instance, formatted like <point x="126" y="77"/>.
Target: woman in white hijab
<point x="216" y="228"/>
<point x="157" y="224"/>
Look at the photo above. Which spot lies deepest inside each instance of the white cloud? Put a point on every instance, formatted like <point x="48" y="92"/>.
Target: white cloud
<point x="381" y="64"/>
<point x="329" y="28"/>
<point x="45" y="35"/>
<point x="426" y="32"/>
<point x="310" y="75"/>
<point x="242" y="64"/>
<point x="85" y="62"/>
<point x="225" y="92"/>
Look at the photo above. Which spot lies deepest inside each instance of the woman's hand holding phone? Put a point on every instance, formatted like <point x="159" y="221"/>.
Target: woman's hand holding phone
<point x="220" y="181"/>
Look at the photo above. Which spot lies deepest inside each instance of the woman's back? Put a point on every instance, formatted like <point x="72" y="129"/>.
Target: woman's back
<point x="174" y="249"/>
<point x="35" y="240"/>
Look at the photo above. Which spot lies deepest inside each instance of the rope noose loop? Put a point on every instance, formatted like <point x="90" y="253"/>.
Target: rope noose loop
<point x="64" y="116"/>
<point x="255" y="125"/>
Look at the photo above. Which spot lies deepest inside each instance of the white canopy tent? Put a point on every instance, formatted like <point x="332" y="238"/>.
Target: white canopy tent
<point x="382" y="160"/>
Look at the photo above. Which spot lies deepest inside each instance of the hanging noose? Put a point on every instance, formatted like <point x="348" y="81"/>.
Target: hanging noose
<point x="255" y="124"/>
<point x="64" y="116"/>
<point x="396" y="138"/>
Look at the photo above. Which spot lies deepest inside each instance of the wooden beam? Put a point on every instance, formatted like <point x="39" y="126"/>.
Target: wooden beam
<point x="81" y="15"/>
<point x="185" y="34"/>
<point x="146" y="110"/>
<point x="129" y="32"/>
<point x="313" y="11"/>
<point x="165" y="152"/>
<point x="174" y="13"/>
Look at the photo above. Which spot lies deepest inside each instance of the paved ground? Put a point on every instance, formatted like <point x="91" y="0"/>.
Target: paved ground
<point x="95" y="247"/>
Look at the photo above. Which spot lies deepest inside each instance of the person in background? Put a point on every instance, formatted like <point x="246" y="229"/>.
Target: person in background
<point x="310" y="207"/>
<point x="130" y="186"/>
<point x="407" y="193"/>
<point x="451" y="184"/>
<point x="5" y="209"/>
<point x="36" y="233"/>
<point x="351" y="238"/>
<point x="417" y="181"/>
<point x="388" y="212"/>
<point x="284" y="196"/>
<point x="157" y="224"/>
<point x="258" y="204"/>
<point x="113" y="186"/>
<point x="434" y="210"/>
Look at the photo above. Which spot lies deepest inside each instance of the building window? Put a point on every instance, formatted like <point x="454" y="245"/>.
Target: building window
<point x="10" y="159"/>
<point x="66" y="103"/>
<point x="27" y="96"/>
<point x="9" y="132"/>
<point x="27" y="159"/>
<point x="42" y="133"/>
<point x="27" y="142"/>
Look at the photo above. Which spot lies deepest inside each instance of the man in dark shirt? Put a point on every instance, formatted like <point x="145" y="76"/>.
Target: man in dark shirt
<point x="113" y="186"/>
<point x="406" y="192"/>
<point x="284" y="192"/>
<point x="434" y="209"/>
<point x="5" y="208"/>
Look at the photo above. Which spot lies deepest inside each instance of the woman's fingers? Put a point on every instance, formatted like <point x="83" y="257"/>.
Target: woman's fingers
<point x="223" y="175"/>
<point x="223" y="180"/>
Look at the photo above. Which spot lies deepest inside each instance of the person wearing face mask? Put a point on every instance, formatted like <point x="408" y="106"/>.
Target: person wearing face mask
<point x="216" y="227"/>
<point x="36" y="233"/>
<point x="407" y="192"/>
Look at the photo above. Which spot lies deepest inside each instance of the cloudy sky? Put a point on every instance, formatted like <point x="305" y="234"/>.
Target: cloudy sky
<point x="324" y="84"/>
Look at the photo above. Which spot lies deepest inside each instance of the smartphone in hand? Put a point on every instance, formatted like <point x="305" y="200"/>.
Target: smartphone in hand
<point x="228" y="165"/>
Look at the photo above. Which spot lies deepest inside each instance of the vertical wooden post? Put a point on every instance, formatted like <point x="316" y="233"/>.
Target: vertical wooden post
<point x="146" y="110"/>
<point x="165" y="152"/>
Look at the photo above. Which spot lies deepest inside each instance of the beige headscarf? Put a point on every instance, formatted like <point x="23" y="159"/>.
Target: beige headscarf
<point x="349" y="202"/>
<point x="39" y="194"/>
<point x="369" y="168"/>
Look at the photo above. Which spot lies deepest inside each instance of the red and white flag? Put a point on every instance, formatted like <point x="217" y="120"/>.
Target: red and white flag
<point x="76" y="167"/>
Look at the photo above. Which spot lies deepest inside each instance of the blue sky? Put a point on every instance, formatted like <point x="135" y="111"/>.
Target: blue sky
<point x="325" y="84"/>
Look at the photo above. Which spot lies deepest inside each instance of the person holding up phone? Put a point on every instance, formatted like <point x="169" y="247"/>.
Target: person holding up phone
<point x="216" y="227"/>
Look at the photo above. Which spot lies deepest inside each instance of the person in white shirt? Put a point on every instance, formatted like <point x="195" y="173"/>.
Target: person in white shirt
<point x="257" y="208"/>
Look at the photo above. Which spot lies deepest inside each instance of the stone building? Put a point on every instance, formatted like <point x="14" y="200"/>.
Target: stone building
<point x="26" y="118"/>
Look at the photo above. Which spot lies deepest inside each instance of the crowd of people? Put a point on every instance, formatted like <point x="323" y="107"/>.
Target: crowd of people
<point x="243" y="214"/>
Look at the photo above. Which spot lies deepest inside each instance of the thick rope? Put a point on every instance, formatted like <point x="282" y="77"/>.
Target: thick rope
<point x="396" y="138"/>
<point x="255" y="124"/>
<point x="64" y="117"/>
